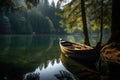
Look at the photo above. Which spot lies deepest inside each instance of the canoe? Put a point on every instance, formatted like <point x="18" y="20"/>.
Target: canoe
<point x="79" y="52"/>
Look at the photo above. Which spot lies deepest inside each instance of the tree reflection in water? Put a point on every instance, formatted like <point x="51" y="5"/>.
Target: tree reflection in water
<point x="61" y="69"/>
<point x="48" y="71"/>
<point x="32" y="76"/>
<point x="48" y="63"/>
<point x="64" y="75"/>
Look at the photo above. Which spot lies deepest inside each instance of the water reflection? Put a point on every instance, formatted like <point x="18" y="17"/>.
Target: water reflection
<point x="53" y="71"/>
<point x="64" y="69"/>
<point x="20" y="48"/>
<point x="32" y="76"/>
<point x="20" y="54"/>
<point x="80" y="71"/>
<point x="23" y="56"/>
<point x="64" y="75"/>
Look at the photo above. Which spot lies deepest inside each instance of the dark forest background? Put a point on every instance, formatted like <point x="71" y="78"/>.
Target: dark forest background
<point x="41" y="19"/>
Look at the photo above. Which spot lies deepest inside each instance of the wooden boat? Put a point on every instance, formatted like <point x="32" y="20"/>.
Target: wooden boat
<point x="79" y="52"/>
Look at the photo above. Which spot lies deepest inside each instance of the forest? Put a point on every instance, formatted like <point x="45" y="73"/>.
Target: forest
<point x="24" y="20"/>
<point x="79" y="16"/>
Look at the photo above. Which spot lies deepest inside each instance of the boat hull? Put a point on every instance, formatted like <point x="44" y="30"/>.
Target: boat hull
<point x="88" y="56"/>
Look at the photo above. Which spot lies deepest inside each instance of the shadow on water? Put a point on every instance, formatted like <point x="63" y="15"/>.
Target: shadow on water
<point x="109" y="71"/>
<point x="10" y="71"/>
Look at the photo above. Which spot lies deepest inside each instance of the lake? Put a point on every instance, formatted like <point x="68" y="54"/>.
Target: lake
<point x="31" y="57"/>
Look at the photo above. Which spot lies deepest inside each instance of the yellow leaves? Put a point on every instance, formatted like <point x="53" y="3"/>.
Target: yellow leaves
<point x="80" y="23"/>
<point x="95" y="24"/>
<point x="95" y="27"/>
<point x="106" y="27"/>
<point x="70" y="29"/>
<point x="71" y="13"/>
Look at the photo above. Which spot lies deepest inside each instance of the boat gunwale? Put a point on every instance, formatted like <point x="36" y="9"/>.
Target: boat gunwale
<point x="60" y="43"/>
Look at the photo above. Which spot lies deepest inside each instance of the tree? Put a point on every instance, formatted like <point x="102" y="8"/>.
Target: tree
<point x="6" y="5"/>
<point x="74" y="17"/>
<point x="41" y="19"/>
<point x="5" y="26"/>
<point x="80" y="13"/>
<point x="111" y="50"/>
<point x="115" y="28"/>
<point x="99" y="14"/>
<point x="101" y="24"/>
<point x="85" y="30"/>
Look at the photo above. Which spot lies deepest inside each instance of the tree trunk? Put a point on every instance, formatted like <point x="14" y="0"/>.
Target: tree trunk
<point x="115" y="28"/>
<point x="111" y="50"/>
<point x="101" y="24"/>
<point x="85" y="30"/>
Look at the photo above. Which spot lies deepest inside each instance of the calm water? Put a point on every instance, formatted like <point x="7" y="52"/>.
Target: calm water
<point x="40" y="58"/>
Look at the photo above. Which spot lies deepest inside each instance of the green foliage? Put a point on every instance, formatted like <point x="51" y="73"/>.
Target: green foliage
<point x="5" y="26"/>
<point x="40" y="23"/>
<point x="40" y="20"/>
<point x="71" y="14"/>
<point x="94" y="13"/>
<point x="19" y="24"/>
<point x="11" y="4"/>
<point x="50" y="23"/>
